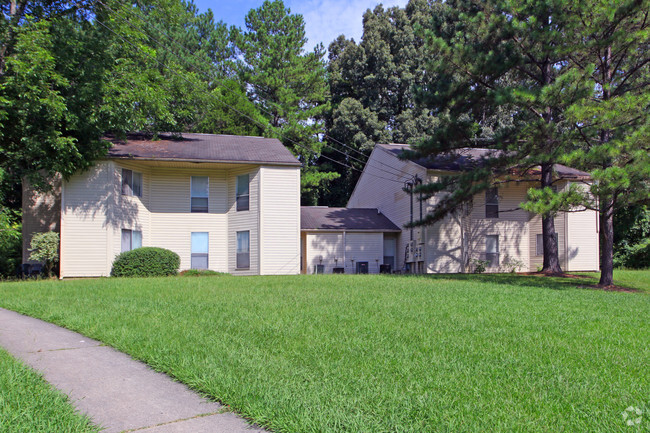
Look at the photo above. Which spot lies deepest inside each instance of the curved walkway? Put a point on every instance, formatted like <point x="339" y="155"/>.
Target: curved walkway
<point x="114" y="390"/>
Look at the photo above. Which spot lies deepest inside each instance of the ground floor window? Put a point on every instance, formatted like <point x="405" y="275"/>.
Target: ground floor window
<point x="243" y="250"/>
<point x="131" y="239"/>
<point x="492" y="250"/>
<point x="200" y="248"/>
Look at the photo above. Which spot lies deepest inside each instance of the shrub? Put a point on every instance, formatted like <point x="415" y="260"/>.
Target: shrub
<point x="480" y="266"/>
<point x="146" y="262"/>
<point x="44" y="248"/>
<point x="200" y="273"/>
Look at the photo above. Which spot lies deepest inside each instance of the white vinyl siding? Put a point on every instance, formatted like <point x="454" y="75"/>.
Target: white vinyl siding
<point x="363" y="247"/>
<point x="244" y="221"/>
<point x="324" y="249"/>
<point x="172" y="221"/>
<point x="89" y="219"/>
<point x="582" y="240"/>
<point x="279" y="220"/>
<point x="381" y="187"/>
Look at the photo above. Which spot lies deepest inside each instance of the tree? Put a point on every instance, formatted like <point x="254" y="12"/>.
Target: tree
<point x="500" y="77"/>
<point x="286" y="83"/>
<point x="370" y="85"/>
<point x="613" y="55"/>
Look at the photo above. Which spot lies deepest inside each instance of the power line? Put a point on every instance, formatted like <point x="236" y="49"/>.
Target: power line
<point x="158" y="42"/>
<point x="234" y="109"/>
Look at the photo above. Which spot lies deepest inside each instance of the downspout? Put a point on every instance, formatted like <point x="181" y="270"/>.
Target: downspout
<point x="344" y="248"/>
<point x="61" y="237"/>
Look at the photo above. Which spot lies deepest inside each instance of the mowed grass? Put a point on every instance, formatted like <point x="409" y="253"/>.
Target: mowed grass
<point x="29" y="404"/>
<point x="342" y="353"/>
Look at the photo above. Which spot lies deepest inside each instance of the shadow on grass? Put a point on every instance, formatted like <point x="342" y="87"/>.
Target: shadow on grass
<point x="569" y="281"/>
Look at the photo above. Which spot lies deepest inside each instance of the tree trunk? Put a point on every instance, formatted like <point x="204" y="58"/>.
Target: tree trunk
<point x="607" y="241"/>
<point x="551" y="256"/>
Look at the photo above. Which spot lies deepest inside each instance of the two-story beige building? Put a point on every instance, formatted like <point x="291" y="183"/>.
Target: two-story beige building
<point x="492" y="227"/>
<point x="225" y="203"/>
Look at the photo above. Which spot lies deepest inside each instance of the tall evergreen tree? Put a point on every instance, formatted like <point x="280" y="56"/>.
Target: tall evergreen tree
<point x="371" y="89"/>
<point x="613" y="54"/>
<point x="500" y="78"/>
<point x="287" y="83"/>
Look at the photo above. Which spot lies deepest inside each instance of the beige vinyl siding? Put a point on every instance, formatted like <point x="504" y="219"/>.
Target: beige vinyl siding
<point x="41" y="213"/>
<point x="279" y="220"/>
<point x="511" y="226"/>
<point x="172" y="221"/>
<point x="88" y="218"/>
<point x="444" y="246"/>
<point x="244" y="220"/>
<point x="329" y="246"/>
<point x="132" y="211"/>
<point x="374" y="190"/>
<point x="364" y="247"/>
<point x="582" y="240"/>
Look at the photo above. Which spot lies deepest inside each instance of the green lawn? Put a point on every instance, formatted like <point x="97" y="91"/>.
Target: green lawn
<point x="341" y="353"/>
<point x="29" y="404"/>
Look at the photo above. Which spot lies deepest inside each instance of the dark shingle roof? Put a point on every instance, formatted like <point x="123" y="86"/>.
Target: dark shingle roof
<point x="341" y="218"/>
<point x="465" y="159"/>
<point x="203" y="147"/>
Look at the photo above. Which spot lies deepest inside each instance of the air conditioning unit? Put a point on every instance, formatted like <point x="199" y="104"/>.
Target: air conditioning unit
<point x="419" y="235"/>
<point x="410" y="252"/>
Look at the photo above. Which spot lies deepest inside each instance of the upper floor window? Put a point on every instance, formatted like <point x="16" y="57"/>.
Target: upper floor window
<point x="131" y="182"/>
<point x="131" y="239"/>
<point x="492" y="203"/>
<point x="242" y="195"/>
<point x="199" y="194"/>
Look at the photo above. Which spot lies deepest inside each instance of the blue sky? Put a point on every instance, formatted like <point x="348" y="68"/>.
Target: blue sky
<point x="324" y="19"/>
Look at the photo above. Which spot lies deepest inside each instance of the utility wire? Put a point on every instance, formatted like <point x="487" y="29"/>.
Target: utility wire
<point x="158" y="43"/>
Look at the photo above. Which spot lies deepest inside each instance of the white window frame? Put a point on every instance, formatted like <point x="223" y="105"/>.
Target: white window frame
<point x="494" y="192"/>
<point x="192" y="197"/>
<point x="240" y="253"/>
<point x="131" y="233"/>
<point x="130" y="189"/>
<point x="493" y="257"/>
<point x="200" y="255"/>
<point x="242" y="196"/>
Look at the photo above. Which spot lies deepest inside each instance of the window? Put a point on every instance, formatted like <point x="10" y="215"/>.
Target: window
<point x="200" y="245"/>
<point x="131" y="239"/>
<point x="242" y="195"/>
<point x="492" y="250"/>
<point x="199" y="194"/>
<point x="492" y="203"/>
<point x="539" y="244"/>
<point x="131" y="183"/>
<point x="243" y="250"/>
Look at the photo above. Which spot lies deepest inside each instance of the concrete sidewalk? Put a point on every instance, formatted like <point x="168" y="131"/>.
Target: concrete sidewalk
<point x="114" y="390"/>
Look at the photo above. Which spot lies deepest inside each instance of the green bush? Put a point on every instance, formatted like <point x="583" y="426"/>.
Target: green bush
<point x="45" y="248"/>
<point x="146" y="262"/>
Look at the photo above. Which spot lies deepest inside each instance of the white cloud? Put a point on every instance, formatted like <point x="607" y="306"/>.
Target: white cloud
<point x="325" y="20"/>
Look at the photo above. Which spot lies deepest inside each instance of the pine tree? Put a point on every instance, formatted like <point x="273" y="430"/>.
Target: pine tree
<point x="287" y="83"/>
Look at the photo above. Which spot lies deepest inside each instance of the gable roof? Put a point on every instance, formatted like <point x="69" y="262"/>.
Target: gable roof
<point x="203" y="148"/>
<point x="467" y="158"/>
<point x="345" y="219"/>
